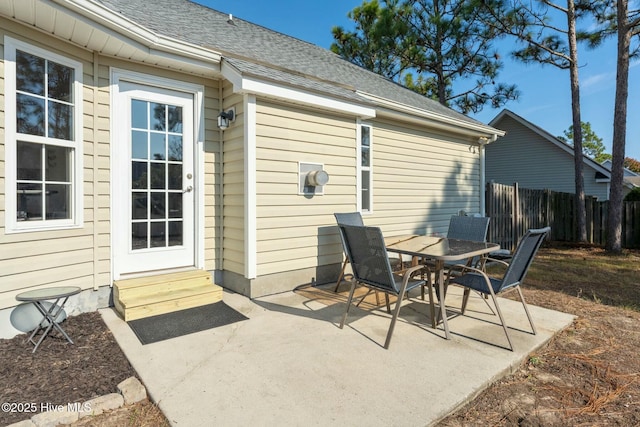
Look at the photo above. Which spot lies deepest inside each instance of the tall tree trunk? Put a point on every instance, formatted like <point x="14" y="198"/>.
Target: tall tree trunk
<point x="580" y="209"/>
<point x="614" y="222"/>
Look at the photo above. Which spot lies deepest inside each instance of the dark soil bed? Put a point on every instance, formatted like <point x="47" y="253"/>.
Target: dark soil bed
<point x="59" y="372"/>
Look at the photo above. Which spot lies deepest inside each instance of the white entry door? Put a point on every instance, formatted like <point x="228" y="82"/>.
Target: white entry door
<point x="154" y="189"/>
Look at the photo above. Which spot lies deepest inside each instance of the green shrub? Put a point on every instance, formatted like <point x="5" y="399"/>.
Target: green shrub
<point x="633" y="196"/>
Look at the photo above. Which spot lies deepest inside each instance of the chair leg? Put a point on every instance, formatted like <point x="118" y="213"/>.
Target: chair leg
<point x="526" y="309"/>
<point x="465" y="300"/>
<point x="396" y="312"/>
<point x="504" y="325"/>
<point x="341" y="276"/>
<point x="346" y="312"/>
<point x="432" y="307"/>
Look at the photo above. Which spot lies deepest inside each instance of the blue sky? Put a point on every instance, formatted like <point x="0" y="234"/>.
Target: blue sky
<point x="544" y="91"/>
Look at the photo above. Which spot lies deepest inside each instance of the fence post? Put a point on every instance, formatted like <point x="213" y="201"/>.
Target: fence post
<point x="516" y="216"/>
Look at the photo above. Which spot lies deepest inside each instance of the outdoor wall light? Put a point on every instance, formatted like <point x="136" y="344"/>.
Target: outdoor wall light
<point x="225" y="117"/>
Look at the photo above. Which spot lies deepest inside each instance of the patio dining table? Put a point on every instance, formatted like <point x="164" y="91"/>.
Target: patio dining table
<point x="439" y="250"/>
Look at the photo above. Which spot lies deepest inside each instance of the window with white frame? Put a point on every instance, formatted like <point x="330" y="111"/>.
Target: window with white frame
<point x="43" y="138"/>
<point x="365" y="168"/>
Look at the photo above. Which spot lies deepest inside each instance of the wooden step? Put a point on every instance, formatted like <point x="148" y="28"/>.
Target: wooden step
<point x="152" y="295"/>
<point x="132" y="288"/>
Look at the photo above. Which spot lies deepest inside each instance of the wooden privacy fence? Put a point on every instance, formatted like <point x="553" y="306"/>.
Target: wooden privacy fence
<point x="514" y="210"/>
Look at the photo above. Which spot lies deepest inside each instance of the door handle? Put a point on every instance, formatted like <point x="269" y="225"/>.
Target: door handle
<point x="189" y="189"/>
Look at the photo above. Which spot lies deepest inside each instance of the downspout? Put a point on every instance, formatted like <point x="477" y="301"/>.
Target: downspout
<point x="220" y="190"/>
<point x="96" y="211"/>
<point x="482" y="142"/>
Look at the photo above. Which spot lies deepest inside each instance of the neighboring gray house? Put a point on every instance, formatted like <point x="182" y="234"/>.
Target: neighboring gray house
<point x="535" y="159"/>
<point x="630" y="177"/>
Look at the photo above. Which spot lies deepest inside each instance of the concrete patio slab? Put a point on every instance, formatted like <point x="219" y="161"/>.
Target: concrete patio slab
<point x="290" y="364"/>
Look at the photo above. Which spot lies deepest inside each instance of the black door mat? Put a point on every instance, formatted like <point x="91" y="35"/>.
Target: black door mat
<point x="171" y="325"/>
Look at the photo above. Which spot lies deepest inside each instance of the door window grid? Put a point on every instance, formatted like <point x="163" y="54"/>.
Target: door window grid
<point x="156" y="180"/>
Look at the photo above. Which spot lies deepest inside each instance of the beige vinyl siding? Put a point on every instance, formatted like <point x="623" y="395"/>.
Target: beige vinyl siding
<point x="533" y="162"/>
<point x="293" y="231"/>
<point x="421" y="178"/>
<point x="82" y="257"/>
<point x="212" y="176"/>
<point x="233" y="182"/>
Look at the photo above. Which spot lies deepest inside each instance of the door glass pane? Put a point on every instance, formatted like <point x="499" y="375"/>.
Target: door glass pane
<point x="158" y="116"/>
<point x="175" y="176"/>
<point x="139" y="149"/>
<point x="175" y="148"/>
<point x="139" y="235"/>
<point x="175" y="119"/>
<point x="175" y="205"/>
<point x="139" y="119"/>
<point x="158" y="176"/>
<point x="157" y="205"/>
<point x="158" y="146"/>
<point x="139" y="206"/>
<point x="139" y="176"/>
<point x="175" y="233"/>
<point x="158" y="234"/>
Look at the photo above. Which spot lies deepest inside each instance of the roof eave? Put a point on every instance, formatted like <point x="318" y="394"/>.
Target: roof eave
<point x="245" y="83"/>
<point x="117" y="25"/>
<point x="468" y="128"/>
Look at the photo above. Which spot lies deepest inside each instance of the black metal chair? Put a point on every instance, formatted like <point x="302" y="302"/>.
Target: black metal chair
<point x="468" y="228"/>
<point x="477" y="279"/>
<point x="350" y="218"/>
<point x="371" y="268"/>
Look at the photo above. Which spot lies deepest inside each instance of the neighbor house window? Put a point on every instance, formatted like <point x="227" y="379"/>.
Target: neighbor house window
<point x="365" y="170"/>
<point x="43" y="144"/>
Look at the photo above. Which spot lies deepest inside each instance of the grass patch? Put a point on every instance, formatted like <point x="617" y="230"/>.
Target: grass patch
<point x="588" y="273"/>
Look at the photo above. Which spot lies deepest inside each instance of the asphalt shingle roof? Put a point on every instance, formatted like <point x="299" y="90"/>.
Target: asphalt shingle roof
<point x="257" y="50"/>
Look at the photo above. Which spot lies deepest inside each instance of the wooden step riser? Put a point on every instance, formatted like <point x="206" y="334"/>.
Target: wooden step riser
<point x="170" y="306"/>
<point x="160" y="287"/>
<point x="153" y="298"/>
<point x="170" y="277"/>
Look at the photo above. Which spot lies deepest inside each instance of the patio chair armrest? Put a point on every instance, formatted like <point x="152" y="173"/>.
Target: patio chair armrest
<point x="460" y="268"/>
<point x="408" y="273"/>
<point x="497" y="261"/>
<point x="481" y="272"/>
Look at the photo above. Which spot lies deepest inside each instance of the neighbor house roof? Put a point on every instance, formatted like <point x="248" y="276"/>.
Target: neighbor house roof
<point x="253" y="50"/>
<point x="602" y="173"/>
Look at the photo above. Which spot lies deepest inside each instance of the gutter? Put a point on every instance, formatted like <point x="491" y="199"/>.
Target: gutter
<point x="483" y="186"/>
<point x="441" y="121"/>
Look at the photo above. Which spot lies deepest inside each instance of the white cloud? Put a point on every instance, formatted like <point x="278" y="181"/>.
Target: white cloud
<point x="596" y="80"/>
